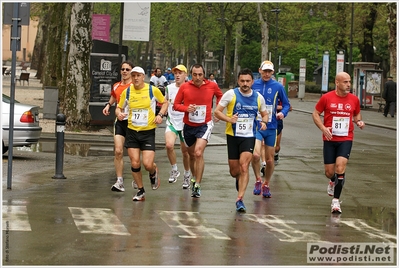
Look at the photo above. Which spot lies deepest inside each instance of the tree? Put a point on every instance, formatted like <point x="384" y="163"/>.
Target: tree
<point x="264" y="31"/>
<point x="392" y="42"/>
<point x="77" y="74"/>
<point x="368" y="21"/>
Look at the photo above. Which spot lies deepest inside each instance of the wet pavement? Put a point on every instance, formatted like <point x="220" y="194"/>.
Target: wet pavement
<point x="80" y="221"/>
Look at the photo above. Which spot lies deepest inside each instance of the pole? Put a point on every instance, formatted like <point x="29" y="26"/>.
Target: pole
<point x="15" y="40"/>
<point x="120" y="36"/>
<point x="351" y="43"/>
<point x="59" y="157"/>
<point x="276" y="62"/>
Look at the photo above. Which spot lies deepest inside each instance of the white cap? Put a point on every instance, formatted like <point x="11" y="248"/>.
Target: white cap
<point x="267" y="65"/>
<point x="138" y="69"/>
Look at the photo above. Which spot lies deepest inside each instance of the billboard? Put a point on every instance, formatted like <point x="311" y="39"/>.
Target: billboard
<point x="136" y="21"/>
<point x="104" y="71"/>
<point x="100" y="27"/>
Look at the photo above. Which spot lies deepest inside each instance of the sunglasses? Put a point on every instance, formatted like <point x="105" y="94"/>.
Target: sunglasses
<point x="126" y="69"/>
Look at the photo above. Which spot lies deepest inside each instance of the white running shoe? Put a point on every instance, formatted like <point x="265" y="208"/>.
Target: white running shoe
<point x="140" y="196"/>
<point x="134" y="184"/>
<point x="173" y="176"/>
<point x="155" y="182"/>
<point x="118" y="187"/>
<point x="330" y="188"/>
<point x="335" y="206"/>
<point x="186" y="182"/>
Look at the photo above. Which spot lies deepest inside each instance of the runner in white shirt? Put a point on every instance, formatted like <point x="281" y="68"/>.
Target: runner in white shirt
<point x="174" y="127"/>
<point x="158" y="80"/>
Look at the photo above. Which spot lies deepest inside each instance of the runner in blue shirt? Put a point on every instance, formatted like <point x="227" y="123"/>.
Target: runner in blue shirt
<point x="273" y="92"/>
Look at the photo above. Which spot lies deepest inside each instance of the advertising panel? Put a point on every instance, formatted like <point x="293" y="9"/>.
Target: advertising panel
<point x="104" y="70"/>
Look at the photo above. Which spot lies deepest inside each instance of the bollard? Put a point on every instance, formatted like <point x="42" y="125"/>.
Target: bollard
<point x="59" y="158"/>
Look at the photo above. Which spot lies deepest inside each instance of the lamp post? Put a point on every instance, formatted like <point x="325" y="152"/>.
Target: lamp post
<point x="351" y="43"/>
<point x="222" y="58"/>
<point x="316" y="60"/>
<point x="276" y="63"/>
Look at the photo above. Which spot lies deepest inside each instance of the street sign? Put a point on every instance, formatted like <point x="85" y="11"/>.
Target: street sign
<point x="136" y="21"/>
<point x="326" y="63"/>
<point x="23" y="11"/>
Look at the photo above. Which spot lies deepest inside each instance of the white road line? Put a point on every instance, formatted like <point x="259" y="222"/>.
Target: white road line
<point x="188" y="224"/>
<point x="15" y="218"/>
<point x="98" y="221"/>
<point x="372" y="232"/>
<point x="282" y="230"/>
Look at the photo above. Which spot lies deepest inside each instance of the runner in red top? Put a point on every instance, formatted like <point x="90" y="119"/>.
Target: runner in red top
<point x="195" y="99"/>
<point x="119" y="126"/>
<point x="340" y="108"/>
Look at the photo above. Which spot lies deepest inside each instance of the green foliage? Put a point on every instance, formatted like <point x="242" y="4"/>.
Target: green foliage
<point x="250" y="56"/>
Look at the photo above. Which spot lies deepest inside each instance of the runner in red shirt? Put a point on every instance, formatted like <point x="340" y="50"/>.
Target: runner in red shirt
<point x="340" y="108"/>
<point x="119" y="126"/>
<point x="195" y="99"/>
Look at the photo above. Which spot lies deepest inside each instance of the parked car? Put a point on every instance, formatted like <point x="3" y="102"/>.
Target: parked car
<point x="26" y="124"/>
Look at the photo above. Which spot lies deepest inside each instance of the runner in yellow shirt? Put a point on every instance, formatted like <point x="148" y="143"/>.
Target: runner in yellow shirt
<point x="141" y="99"/>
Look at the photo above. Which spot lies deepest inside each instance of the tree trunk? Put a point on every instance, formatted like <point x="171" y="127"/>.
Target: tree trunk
<point x="367" y="48"/>
<point x="392" y="38"/>
<point x="52" y="72"/>
<point x="227" y="53"/>
<point x="237" y="46"/>
<point x="265" y="34"/>
<point x="37" y="62"/>
<point x="77" y="84"/>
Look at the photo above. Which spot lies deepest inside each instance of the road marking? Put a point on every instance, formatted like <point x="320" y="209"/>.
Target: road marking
<point x="372" y="232"/>
<point x="188" y="224"/>
<point x="15" y="218"/>
<point x="282" y="230"/>
<point x="98" y="221"/>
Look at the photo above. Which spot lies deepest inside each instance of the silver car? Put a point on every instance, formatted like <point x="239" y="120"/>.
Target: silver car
<point x="26" y="123"/>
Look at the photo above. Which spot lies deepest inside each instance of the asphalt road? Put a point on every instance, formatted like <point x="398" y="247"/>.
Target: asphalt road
<point x="80" y="221"/>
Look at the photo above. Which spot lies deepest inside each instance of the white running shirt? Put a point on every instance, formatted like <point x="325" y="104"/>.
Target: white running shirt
<point x="175" y="118"/>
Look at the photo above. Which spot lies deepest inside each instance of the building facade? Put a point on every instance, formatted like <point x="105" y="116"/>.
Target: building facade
<point x="28" y="36"/>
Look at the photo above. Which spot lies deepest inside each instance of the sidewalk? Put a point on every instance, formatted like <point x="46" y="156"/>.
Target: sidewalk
<point x="370" y="115"/>
<point x="33" y="94"/>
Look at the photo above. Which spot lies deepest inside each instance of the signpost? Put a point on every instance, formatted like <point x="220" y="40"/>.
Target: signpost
<point x="302" y="78"/>
<point x="340" y="61"/>
<point x="16" y="14"/>
<point x="326" y="63"/>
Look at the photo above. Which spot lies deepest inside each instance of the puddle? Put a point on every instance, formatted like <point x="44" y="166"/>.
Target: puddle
<point x="80" y="149"/>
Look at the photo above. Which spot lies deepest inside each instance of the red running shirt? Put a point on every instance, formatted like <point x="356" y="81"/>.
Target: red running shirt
<point x="201" y="96"/>
<point x="338" y="114"/>
<point x="117" y="90"/>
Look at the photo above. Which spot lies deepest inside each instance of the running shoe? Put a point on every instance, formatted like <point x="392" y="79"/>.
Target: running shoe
<point x="266" y="191"/>
<point x="196" y="191"/>
<point x="173" y="176"/>
<point x="276" y="159"/>
<point x="258" y="187"/>
<point x="155" y="181"/>
<point x="118" y="187"/>
<point x="193" y="182"/>
<point x="186" y="182"/>
<point x="140" y="196"/>
<point x="335" y="206"/>
<point x="330" y="188"/>
<point x="134" y="184"/>
<point x="240" y="207"/>
<point x="262" y="170"/>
